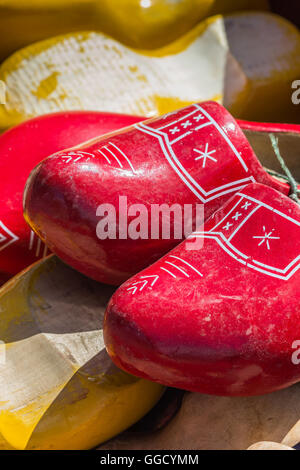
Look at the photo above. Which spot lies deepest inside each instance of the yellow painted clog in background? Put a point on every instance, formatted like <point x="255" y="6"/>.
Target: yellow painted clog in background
<point x="94" y="72"/>
<point x="138" y="23"/>
<point x="263" y="62"/>
<point x="58" y="387"/>
<point x="247" y="61"/>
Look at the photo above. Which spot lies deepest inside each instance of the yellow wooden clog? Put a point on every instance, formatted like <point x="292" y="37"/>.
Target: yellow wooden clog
<point x="248" y="61"/>
<point x="94" y="72"/>
<point x="58" y="387"/>
<point x="263" y="62"/>
<point x="138" y="23"/>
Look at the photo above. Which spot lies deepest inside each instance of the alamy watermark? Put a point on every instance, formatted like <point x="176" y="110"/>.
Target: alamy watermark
<point x="153" y="222"/>
<point x="296" y="93"/>
<point x="296" y="354"/>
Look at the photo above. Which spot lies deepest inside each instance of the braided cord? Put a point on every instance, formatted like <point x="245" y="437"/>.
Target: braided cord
<point x="289" y="177"/>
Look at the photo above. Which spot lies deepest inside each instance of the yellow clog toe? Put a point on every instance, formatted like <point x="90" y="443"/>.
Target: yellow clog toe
<point x="58" y="387"/>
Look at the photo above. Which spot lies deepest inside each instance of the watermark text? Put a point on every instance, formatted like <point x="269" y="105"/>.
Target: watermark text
<point x="296" y="93"/>
<point x="153" y="222"/>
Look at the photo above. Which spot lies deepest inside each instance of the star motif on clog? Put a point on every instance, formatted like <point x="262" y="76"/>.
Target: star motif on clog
<point x="174" y="130"/>
<point x="237" y="216"/>
<point x="227" y="226"/>
<point x="186" y="124"/>
<point x="198" y="118"/>
<point x="265" y="239"/>
<point x="246" y="205"/>
<point x="206" y="155"/>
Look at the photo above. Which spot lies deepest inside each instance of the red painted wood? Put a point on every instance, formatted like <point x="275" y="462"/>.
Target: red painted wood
<point x="269" y="127"/>
<point x="21" y="149"/>
<point x="221" y="317"/>
<point x="195" y="155"/>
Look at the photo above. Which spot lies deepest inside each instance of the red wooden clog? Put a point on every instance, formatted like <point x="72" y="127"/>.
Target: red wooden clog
<point x="219" y="314"/>
<point x="23" y="147"/>
<point x="195" y="155"/>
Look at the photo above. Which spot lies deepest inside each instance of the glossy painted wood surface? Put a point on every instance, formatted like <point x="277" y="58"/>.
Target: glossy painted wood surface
<point x="140" y="24"/>
<point x="246" y="61"/>
<point x="21" y="149"/>
<point x="197" y="155"/>
<point x="220" y="313"/>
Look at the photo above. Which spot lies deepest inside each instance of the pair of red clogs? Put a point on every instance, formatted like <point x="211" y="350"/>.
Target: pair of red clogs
<point x="218" y="314"/>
